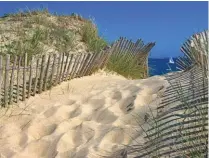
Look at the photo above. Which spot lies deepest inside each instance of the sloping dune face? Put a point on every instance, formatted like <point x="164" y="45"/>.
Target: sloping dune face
<point x="94" y="116"/>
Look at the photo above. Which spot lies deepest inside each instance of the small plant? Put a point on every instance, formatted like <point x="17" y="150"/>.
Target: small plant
<point x="64" y="39"/>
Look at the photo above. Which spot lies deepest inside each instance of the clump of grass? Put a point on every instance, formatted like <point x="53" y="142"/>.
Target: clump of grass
<point x="27" y="12"/>
<point x="64" y="39"/>
<point x="91" y="38"/>
<point x="30" y="44"/>
<point x="125" y="65"/>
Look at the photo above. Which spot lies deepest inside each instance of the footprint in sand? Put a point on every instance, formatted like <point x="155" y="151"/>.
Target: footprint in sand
<point x="38" y="128"/>
<point x="63" y="112"/>
<point x="127" y="104"/>
<point x="71" y="139"/>
<point x="18" y="140"/>
<point x="51" y="111"/>
<point x="96" y="103"/>
<point x="67" y="154"/>
<point x="39" y="148"/>
<point x="104" y="116"/>
<point x="116" y="95"/>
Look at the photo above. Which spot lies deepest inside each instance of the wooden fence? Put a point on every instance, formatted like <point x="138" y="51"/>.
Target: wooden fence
<point x="21" y="78"/>
<point x="180" y="127"/>
<point x="137" y="49"/>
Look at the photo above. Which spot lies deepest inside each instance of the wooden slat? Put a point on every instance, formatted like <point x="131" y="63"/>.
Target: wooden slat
<point x="90" y="69"/>
<point x="6" y="80"/>
<point x="53" y="70"/>
<point x="46" y="73"/>
<point x="65" y="67"/>
<point x="30" y="77"/>
<point x="87" y="68"/>
<point x="1" y="78"/>
<point x="58" y="68"/>
<point x="36" y="77"/>
<point x="18" y="79"/>
<point x="85" y="64"/>
<point x="68" y="68"/>
<point x="12" y="81"/>
<point x="77" y="61"/>
<point x="24" y="77"/>
<point x="80" y="62"/>
<point x="61" y="69"/>
<point x="42" y="73"/>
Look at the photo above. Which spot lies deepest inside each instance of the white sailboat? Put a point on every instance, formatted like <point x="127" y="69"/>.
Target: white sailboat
<point x="171" y="60"/>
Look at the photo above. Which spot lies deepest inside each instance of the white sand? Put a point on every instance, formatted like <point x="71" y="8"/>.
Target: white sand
<point x="94" y="116"/>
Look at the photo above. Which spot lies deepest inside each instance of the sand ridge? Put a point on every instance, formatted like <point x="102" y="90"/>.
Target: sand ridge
<point x="93" y="116"/>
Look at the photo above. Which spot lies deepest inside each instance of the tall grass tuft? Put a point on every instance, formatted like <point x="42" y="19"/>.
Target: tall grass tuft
<point x="125" y="65"/>
<point x="90" y="36"/>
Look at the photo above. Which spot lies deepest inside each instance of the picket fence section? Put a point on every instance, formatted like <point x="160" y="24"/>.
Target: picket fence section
<point x="137" y="49"/>
<point x="21" y="78"/>
<point x="24" y="76"/>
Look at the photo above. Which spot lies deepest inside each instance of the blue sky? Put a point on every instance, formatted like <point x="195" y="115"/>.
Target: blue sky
<point x="168" y="24"/>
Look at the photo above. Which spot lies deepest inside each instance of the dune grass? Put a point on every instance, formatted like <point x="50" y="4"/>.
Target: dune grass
<point x="36" y="34"/>
<point x="125" y="65"/>
<point x="90" y="36"/>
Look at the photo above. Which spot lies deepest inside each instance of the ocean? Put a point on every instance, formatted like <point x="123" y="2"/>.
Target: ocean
<point x="161" y="66"/>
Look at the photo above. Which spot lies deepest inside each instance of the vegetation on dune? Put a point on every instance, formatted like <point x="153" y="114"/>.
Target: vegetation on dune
<point x="125" y="65"/>
<point x="37" y="32"/>
<point x="91" y="38"/>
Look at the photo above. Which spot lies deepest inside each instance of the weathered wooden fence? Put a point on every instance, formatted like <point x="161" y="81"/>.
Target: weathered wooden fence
<point x="180" y="127"/>
<point x="138" y="50"/>
<point x="21" y="78"/>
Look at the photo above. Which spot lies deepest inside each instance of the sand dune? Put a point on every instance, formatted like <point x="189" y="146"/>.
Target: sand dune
<point x="94" y="116"/>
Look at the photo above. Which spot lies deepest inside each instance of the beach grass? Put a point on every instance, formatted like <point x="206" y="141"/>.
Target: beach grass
<point x="125" y="65"/>
<point x="91" y="38"/>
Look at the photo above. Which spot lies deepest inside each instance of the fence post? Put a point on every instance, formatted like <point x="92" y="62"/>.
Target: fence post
<point x="46" y="73"/>
<point x="30" y="77"/>
<point x="6" y="80"/>
<point x="24" y="77"/>
<point x="58" y="68"/>
<point x="42" y="73"/>
<point x="12" y="81"/>
<point x="61" y="69"/>
<point x="85" y="64"/>
<point x="1" y="78"/>
<point x="36" y="77"/>
<point x="65" y="67"/>
<point x="18" y="79"/>
<point x="68" y="68"/>
<point x="53" y="70"/>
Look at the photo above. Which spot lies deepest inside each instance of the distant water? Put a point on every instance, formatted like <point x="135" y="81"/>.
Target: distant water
<point x="160" y="66"/>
